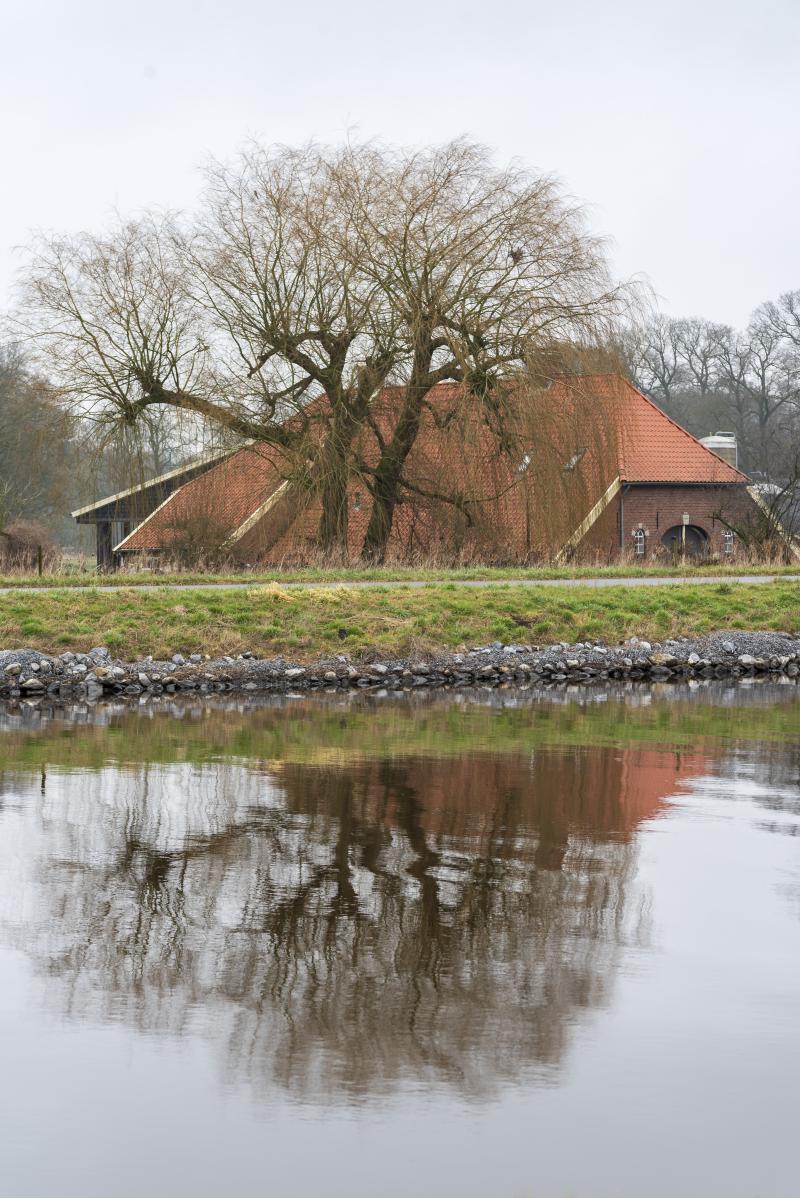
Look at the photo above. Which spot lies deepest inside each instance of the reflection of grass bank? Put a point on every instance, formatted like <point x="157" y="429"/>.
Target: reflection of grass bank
<point x="302" y="623"/>
<point x="338" y="733"/>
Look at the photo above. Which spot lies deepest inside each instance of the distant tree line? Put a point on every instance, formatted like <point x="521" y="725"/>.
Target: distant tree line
<point x="51" y="460"/>
<point x="37" y="457"/>
<point x="712" y="377"/>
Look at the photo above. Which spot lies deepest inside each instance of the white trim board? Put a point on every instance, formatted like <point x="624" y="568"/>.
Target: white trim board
<point x="206" y="459"/>
<point x="592" y="518"/>
<point x="255" y="516"/>
<point x="121" y="547"/>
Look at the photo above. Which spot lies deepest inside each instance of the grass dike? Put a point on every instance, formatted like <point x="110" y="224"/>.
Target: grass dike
<point x="305" y="623"/>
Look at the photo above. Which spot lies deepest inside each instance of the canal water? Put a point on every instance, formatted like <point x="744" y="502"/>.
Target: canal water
<point x="499" y="944"/>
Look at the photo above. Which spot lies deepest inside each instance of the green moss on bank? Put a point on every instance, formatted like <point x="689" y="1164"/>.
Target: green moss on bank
<point x="302" y="623"/>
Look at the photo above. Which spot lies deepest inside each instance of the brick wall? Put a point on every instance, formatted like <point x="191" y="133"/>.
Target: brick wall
<point x="658" y="508"/>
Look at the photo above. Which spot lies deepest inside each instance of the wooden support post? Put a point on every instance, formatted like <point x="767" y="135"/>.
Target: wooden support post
<point x="105" y="558"/>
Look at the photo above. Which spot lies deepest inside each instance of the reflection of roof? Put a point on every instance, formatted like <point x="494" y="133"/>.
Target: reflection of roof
<point x="596" y="792"/>
<point x="652" y="447"/>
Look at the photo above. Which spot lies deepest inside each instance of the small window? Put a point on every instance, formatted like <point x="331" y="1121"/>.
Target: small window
<point x="728" y="542"/>
<point x="524" y="464"/>
<point x="639" y="541"/>
<point x="358" y="499"/>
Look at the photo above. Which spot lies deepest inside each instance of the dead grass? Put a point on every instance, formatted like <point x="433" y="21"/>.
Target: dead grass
<point x="302" y="623"/>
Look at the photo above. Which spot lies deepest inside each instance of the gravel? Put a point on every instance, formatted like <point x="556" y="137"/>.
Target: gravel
<point x="25" y="672"/>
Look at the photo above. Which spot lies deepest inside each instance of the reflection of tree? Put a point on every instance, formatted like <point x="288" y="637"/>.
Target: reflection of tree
<point x="773" y="785"/>
<point x="342" y="929"/>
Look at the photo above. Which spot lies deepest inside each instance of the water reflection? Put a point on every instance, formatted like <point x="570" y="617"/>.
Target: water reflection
<point x="345" y="898"/>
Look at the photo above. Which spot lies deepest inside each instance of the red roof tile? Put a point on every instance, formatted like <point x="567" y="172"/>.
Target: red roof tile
<point x="652" y="448"/>
<point x="224" y="496"/>
<point x="589" y="431"/>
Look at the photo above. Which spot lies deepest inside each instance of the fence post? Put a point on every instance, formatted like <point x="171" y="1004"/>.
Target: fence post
<point x="39" y="559"/>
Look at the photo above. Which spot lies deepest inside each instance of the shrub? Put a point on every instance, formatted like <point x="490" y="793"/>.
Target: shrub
<point x="199" y="541"/>
<point x="20" y="543"/>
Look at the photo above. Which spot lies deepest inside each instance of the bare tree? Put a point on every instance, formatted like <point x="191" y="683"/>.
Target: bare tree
<point x="705" y="373"/>
<point x="769" y="528"/>
<point x="699" y="348"/>
<point x="784" y="317"/>
<point x="733" y="382"/>
<point x="282" y="269"/>
<point x="37" y="456"/>
<point x="772" y="380"/>
<point x="308" y="280"/>
<point x="669" y="355"/>
<point x="112" y="317"/>
<point x="653" y="350"/>
<point x="482" y="269"/>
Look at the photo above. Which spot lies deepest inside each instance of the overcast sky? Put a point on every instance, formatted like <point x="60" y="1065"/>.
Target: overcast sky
<point x="677" y="123"/>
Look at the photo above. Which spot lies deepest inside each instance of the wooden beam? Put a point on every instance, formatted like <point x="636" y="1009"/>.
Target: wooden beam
<point x="592" y="518"/>
<point x="105" y="556"/>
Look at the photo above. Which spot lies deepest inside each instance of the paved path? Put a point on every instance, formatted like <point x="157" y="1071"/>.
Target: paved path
<point x="416" y="584"/>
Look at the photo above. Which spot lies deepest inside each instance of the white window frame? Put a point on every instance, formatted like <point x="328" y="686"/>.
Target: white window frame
<point x="639" y="542"/>
<point x="728" y="542"/>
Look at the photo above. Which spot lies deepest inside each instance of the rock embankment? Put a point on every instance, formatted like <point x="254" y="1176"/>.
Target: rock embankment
<point x="26" y="673"/>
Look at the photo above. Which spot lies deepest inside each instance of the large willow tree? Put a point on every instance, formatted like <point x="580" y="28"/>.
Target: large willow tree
<point x="306" y="281"/>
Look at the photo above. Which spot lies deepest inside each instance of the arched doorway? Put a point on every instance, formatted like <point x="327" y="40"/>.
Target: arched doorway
<point x="686" y="538"/>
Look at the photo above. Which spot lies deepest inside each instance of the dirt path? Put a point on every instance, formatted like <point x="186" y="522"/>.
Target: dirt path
<point x="417" y="584"/>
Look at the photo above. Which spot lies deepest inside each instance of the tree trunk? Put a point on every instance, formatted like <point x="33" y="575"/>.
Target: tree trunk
<point x="334" y="475"/>
<point x="333" y="524"/>
<point x="388" y="475"/>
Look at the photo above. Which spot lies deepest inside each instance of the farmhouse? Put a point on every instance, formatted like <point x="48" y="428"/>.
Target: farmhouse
<point x="588" y="466"/>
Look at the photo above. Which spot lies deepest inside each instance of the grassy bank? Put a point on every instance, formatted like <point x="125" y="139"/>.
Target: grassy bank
<point x="394" y="574"/>
<point x="302" y="623"/>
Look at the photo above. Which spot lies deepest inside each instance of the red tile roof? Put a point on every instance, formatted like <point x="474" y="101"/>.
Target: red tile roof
<point x="225" y="496"/>
<point x="651" y="447"/>
<point x="589" y="431"/>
